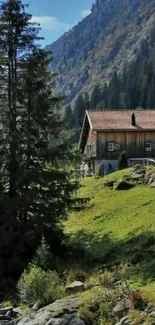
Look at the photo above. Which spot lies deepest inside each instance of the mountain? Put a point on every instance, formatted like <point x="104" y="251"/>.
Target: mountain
<point x="101" y="44"/>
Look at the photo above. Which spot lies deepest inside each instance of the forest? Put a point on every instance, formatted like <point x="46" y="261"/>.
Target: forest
<point x="132" y="88"/>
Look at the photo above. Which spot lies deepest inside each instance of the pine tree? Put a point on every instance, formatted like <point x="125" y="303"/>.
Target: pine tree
<point x="36" y="191"/>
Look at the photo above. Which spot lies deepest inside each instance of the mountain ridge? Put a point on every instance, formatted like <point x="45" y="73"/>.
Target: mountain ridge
<point x="100" y="44"/>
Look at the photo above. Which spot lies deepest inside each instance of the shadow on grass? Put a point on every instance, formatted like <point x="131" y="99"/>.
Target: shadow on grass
<point x="137" y="250"/>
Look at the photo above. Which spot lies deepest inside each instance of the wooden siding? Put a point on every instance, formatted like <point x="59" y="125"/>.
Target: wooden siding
<point x="132" y="142"/>
<point x="91" y="140"/>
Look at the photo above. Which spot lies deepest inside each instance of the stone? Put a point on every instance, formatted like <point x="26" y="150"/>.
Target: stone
<point x="46" y="315"/>
<point x="5" y="317"/>
<point x="139" y="169"/>
<point x="4" y="310"/>
<point x="36" y="306"/>
<point x="121" y="307"/>
<point x="123" y="320"/>
<point x="77" y="321"/>
<point x="148" y="175"/>
<point x="122" y="185"/>
<point x="152" y="185"/>
<point x="19" y="311"/>
<point x="60" y="321"/>
<point x="136" y="177"/>
<point x="151" y="179"/>
<point x="152" y="314"/>
<point x="9" y="313"/>
<point x="76" y="286"/>
<point x="13" y="322"/>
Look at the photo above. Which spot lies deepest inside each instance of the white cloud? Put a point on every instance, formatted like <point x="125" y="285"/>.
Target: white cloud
<point x="85" y="13"/>
<point x="51" y="23"/>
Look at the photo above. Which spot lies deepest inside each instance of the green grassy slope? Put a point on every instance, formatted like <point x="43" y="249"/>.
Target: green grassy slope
<point x="116" y="226"/>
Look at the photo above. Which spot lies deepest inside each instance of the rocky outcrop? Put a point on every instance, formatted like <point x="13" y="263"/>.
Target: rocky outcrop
<point x="61" y="312"/>
<point x="76" y="286"/>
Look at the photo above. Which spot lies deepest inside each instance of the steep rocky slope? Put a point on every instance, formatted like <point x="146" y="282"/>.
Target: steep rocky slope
<point x="101" y="43"/>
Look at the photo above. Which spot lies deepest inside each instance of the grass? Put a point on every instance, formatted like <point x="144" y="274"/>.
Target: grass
<point x="116" y="226"/>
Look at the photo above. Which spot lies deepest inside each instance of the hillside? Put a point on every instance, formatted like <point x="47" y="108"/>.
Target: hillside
<point x="101" y="43"/>
<point x="116" y="226"/>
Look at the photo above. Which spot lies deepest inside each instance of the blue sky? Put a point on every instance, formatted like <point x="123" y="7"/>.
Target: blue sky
<point x="57" y="16"/>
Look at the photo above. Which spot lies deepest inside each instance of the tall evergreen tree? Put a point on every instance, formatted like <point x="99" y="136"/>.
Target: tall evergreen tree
<point x="36" y="191"/>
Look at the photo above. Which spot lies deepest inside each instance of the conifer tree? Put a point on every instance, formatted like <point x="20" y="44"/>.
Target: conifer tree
<point x="36" y="191"/>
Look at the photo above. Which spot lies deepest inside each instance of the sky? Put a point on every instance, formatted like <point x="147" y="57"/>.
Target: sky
<point x="57" y="16"/>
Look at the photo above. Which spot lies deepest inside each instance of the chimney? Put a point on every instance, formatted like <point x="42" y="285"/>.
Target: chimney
<point x="133" y="120"/>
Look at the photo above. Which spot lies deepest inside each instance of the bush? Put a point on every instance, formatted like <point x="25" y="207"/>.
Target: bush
<point x="76" y="275"/>
<point x="86" y="315"/>
<point x="122" y="161"/>
<point x="100" y="172"/>
<point x="38" y="285"/>
<point x="43" y="258"/>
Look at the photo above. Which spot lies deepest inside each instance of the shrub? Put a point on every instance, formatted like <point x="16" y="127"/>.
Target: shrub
<point x="100" y="171"/>
<point x="106" y="278"/>
<point x="38" y="285"/>
<point x="86" y="315"/>
<point x="76" y="275"/>
<point x="122" y="161"/>
<point x="43" y="256"/>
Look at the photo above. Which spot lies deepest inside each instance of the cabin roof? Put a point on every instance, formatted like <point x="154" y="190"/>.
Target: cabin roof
<point x="116" y="120"/>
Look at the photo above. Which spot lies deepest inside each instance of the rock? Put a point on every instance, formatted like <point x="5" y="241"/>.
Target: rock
<point x="139" y="169"/>
<point x="77" y="321"/>
<point x="4" y="310"/>
<point x="148" y="175"/>
<point x="76" y="286"/>
<point x="9" y="313"/>
<point x="60" y="321"/>
<point x="13" y="322"/>
<point x="151" y="179"/>
<point x="36" y="306"/>
<point x="152" y="185"/>
<point x="152" y="314"/>
<point x="121" y="307"/>
<point x="47" y="315"/>
<point x="137" y="177"/>
<point x="19" y="311"/>
<point x="5" y="317"/>
<point x="123" y="320"/>
<point x="122" y="185"/>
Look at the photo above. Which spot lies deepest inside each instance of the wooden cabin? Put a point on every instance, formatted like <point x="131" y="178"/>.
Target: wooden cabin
<point x="105" y="134"/>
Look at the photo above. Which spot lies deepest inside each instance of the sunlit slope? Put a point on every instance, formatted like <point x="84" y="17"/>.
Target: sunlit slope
<point x="114" y="223"/>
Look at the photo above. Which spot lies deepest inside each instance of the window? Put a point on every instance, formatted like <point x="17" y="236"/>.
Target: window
<point x="111" y="146"/>
<point x="148" y="147"/>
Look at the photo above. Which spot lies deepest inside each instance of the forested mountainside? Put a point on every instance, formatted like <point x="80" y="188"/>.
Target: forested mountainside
<point x="101" y="43"/>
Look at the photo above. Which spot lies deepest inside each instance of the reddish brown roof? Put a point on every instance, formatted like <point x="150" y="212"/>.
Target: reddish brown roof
<point x="121" y="120"/>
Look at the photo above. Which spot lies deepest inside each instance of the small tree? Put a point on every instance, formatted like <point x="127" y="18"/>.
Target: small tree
<point x="122" y="161"/>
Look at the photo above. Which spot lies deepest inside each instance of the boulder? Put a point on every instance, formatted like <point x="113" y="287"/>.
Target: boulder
<point x="152" y="185"/>
<point x="77" y="321"/>
<point x="148" y="175"/>
<point x="4" y="310"/>
<point x="5" y="317"/>
<point x="151" y="179"/>
<point x="76" y="286"/>
<point x="61" y="312"/>
<point x="136" y="176"/>
<point x="19" y="311"/>
<point x="125" y="321"/>
<point x="152" y="314"/>
<point x="122" y="307"/>
<point x="139" y="169"/>
<point x="122" y="185"/>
